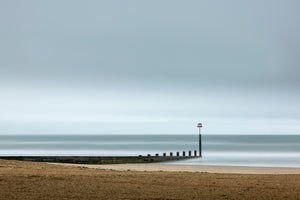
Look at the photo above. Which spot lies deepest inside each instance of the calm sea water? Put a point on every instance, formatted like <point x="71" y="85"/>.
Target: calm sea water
<point x="233" y="150"/>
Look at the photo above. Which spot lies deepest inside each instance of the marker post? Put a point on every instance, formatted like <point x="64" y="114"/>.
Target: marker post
<point x="200" y="142"/>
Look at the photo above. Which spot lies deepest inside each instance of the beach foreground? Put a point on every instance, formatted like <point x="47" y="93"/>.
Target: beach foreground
<point x="33" y="180"/>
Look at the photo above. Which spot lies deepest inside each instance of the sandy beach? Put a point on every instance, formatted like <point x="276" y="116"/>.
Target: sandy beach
<point x="190" y="168"/>
<point x="33" y="180"/>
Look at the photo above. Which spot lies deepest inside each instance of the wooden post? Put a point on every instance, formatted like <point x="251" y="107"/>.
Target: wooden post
<point x="195" y="153"/>
<point x="177" y="154"/>
<point x="190" y="153"/>
<point x="200" y="142"/>
<point x="164" y="154"/>
<point x="157" y="155"/>
<point x="183" y="153"/>
<point x="171" y="153"/>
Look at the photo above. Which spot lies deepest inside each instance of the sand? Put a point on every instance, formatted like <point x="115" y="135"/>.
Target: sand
<point x="33" y="180"/>
<point x="191" y="168"/>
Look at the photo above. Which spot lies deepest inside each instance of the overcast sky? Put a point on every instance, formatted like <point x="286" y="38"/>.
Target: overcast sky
<point x="149" y="67"/>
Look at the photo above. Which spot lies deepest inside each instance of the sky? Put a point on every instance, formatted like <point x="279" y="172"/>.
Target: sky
<point x="149" y="67"/>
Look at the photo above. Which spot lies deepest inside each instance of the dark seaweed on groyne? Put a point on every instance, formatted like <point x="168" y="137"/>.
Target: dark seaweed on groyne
<point x="96" y="159"/>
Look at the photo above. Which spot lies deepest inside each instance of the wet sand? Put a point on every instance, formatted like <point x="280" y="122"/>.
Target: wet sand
<point x="191" y="168"/>
<point x="33" y="180"/>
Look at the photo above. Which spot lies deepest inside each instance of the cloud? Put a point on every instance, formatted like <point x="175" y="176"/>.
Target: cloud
<point x="173" y="44"/>
<point x="139" y="63"/>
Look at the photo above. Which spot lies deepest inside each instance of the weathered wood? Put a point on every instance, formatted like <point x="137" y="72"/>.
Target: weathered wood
<point x="94" y="159"/>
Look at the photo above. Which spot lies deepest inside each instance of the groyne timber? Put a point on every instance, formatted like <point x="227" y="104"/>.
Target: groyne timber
<point x="97" y="159"/>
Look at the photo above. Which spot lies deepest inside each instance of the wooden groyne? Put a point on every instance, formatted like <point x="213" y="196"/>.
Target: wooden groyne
<point x="101" y="159"/>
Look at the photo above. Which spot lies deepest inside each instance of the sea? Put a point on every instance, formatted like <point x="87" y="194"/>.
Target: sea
<point x="223" y="150"/>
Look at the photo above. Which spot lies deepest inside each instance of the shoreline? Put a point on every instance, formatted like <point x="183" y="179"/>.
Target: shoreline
<point x="189" y="168"/>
